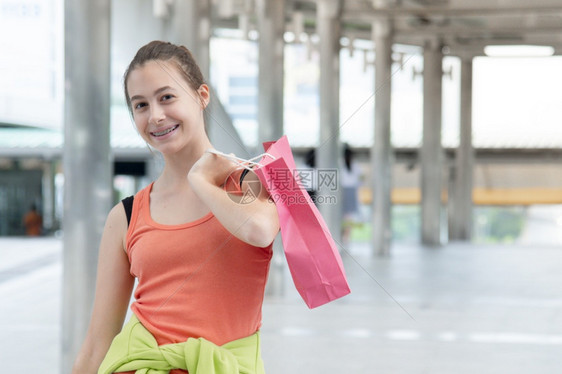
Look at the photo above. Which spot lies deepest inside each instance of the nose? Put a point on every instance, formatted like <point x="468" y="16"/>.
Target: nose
<point x="156" y="114"/>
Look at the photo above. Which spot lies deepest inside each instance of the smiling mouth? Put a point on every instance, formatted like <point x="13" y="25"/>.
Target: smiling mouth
<point x="164" y="132"/>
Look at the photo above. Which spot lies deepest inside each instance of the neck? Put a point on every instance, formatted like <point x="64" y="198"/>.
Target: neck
<point x="178" y="165"/>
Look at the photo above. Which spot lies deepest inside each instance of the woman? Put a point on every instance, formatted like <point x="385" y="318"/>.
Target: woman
<point x="200" y="258"/>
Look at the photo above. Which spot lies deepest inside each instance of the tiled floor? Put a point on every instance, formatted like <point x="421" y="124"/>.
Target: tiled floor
<point x="457" y="309"/>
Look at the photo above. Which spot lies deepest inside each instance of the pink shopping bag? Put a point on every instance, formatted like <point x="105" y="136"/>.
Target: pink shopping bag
<point x="313" y="258"/>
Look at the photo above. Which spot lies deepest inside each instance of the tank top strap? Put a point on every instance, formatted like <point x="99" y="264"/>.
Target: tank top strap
<point x="136" y="211"/>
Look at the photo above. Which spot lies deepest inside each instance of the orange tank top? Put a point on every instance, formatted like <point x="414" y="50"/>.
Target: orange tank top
<point x="195" y="279"/>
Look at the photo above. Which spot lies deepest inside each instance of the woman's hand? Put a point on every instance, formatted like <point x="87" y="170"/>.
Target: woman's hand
<point x="212" y="168"/>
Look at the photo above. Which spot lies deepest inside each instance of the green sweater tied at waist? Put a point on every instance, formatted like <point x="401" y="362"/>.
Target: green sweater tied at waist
<point x="135" y="349"/>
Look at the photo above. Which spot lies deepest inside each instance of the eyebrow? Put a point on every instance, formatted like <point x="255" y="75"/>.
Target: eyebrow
<point x="161" y="89"/>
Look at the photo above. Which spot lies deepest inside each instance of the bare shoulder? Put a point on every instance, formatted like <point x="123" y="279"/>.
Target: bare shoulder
<point x="116" y="225"/>
<point x="117" y="217"/>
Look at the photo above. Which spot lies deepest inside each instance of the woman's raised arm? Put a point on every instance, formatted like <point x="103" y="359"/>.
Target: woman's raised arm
<point x="254" y="222"/>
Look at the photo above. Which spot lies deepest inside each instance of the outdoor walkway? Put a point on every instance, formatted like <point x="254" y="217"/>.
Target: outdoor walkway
<point x="458" y="309"/>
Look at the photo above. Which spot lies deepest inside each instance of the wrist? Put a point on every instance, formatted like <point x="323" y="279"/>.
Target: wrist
<point x="197" y="179"/>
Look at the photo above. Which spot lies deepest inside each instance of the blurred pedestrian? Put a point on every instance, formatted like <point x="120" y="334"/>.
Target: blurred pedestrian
<point x="33" y="222"/>
<point x="350" y="181"/>
<point x="309" y="176"/>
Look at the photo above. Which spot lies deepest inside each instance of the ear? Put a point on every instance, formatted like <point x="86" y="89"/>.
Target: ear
<point x="204" y="95"/>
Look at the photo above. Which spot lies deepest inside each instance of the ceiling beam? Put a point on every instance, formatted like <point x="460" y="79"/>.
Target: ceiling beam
<point x="363" y="15"/>
<point x="475" y="31"/>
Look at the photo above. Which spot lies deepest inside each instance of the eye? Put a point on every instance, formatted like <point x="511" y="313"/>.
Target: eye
<point x="139" y="105"/>
<point x="167" y="97"/>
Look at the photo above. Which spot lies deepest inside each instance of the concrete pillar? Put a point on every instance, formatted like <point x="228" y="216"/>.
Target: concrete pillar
<point x="271" y="76"/>
<point x="87" y="163"/>
<point x="431" y="153"/>
<point x="271" y="27"/>
<point x="328" y="153"/>
<point x="381" y="154"/>
<point x="48" y="187"/>
<point x="461" y="220"/>
<point x="190" y="25"/>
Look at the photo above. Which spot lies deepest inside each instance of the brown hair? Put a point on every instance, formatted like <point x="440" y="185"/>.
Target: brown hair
<point x="165" y="51"/>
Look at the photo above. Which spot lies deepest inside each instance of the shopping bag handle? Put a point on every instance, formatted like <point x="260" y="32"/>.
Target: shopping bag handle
<point x="246" y="164"/>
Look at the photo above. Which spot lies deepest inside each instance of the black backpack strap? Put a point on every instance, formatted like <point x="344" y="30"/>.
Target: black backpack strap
<point x="128" y="205"/>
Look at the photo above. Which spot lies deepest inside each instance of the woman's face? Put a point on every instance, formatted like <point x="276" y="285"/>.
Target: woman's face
<point x="167" y="112"/>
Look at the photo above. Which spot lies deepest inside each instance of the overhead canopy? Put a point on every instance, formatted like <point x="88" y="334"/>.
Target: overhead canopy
<point x="464" y="27"/>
